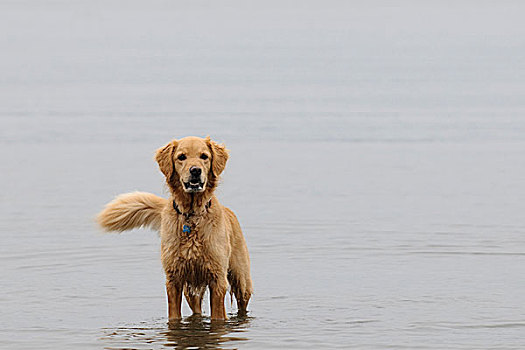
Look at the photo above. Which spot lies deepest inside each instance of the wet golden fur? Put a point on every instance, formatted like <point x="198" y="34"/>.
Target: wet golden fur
<point x="214" y="253"/>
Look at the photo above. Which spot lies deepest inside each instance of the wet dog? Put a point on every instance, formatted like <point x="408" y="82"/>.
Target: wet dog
<point x="202" y="244"/>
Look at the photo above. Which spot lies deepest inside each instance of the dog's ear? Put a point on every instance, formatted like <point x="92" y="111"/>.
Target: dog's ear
<point x="164" y="156"/>
<point x="219" y="156"/>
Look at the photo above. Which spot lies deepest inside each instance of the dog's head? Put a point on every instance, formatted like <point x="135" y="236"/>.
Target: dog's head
<point x="192" y="163"/>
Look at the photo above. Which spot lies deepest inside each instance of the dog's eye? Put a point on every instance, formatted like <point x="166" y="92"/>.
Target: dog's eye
<point x="181" y="157"/>
<point x="204" y="156"/>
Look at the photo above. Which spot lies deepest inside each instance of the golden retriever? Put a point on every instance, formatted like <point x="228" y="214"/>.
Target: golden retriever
<point x="202" y="244"/>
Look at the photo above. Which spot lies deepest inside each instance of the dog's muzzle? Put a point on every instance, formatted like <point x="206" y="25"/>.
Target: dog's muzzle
<point x="195" y="182"/>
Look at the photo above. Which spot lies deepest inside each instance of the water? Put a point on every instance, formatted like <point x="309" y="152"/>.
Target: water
<point x="377" y="161"/>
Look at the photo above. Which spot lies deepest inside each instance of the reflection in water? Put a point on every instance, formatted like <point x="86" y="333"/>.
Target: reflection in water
<point x="194" y="332"/>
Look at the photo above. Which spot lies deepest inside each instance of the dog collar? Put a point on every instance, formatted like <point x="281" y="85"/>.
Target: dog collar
<point x="190" y="214"/>
<point x="187" y="228"/>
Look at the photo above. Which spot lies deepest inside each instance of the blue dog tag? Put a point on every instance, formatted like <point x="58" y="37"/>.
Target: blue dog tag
<point x="186" y="229"/>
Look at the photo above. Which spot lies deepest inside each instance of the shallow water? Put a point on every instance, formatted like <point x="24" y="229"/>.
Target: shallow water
<point x="377" y="161"/>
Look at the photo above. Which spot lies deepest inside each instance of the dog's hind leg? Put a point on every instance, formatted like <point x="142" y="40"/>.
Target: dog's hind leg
<point x="194" y="298"/>
<point x="239" y="266"/>
<point x="241" y="286"/>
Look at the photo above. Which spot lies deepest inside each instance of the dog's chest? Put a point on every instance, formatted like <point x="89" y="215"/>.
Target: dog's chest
<point x="191" y="247"/>
<point x="185" y="257"/>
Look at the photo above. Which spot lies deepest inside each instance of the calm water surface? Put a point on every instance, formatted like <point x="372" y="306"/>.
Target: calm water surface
<point x="377" y="166"/>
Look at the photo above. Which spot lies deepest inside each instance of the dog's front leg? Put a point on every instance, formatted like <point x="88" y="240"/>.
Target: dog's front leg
<point x="217" y="293"/>
<point x="174" y="292"/>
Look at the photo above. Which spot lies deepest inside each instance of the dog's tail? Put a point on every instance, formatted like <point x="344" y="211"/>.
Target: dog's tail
<point x="132" y="210"/>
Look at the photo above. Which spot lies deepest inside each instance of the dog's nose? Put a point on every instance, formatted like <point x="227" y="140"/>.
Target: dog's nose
<point x="195" y="171"/>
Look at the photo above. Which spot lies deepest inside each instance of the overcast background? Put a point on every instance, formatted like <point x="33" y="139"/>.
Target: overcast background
<point x="377" y="164"/>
